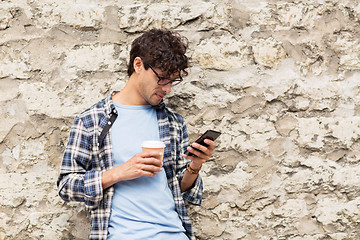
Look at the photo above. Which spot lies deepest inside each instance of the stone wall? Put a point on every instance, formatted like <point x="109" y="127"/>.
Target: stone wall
<point x="280" y="79"/>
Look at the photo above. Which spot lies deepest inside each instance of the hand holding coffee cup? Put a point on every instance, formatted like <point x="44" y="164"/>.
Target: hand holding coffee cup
<point x="154" y="146"/>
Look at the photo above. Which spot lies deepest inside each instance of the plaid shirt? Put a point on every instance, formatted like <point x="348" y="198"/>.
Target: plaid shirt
<point x="85" y="159"/>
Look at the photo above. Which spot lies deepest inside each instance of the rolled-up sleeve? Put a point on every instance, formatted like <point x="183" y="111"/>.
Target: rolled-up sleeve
<point x="93" y="188"/>
<point x="77" y="181"/>
<point x="194" y="194"/>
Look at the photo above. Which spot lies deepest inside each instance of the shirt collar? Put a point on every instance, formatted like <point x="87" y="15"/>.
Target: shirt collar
<point x="109" y="105"/>
<point x="160" y="106"/>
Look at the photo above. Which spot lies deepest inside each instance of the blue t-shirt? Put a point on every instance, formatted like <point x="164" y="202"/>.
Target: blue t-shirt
<point x="142" y="208"/>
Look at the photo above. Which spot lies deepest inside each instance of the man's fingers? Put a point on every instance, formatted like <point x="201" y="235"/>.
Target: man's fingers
<point x="198" y="155"/>
<point x="151" y="161"/>
<point x="149" y="168"/>
<point x="200" y="150"/>
<point x="211" y="144"/>
<point x="149" y="164"/>
<point x="150" y="154"/>
<point x="146" y="173"/>
<point x="210" y="147"/>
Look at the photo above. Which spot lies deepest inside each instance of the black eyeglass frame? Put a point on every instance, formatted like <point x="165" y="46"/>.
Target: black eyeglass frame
<point x="167" y="81"/>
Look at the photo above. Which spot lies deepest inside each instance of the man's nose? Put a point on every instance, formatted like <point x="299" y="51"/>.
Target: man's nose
<point x="167" y="88"/>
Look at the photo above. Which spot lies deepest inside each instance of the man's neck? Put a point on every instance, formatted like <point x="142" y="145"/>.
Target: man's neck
<point x="129" y="95"/>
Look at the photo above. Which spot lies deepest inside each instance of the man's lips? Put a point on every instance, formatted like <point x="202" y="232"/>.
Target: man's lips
<point x="160" y="96"/>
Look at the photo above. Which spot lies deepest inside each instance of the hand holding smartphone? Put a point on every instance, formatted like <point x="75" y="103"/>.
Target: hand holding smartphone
<point x="209" y="134"/>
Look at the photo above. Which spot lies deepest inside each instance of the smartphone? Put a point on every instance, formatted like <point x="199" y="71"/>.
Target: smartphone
<point x="209" y="134"/>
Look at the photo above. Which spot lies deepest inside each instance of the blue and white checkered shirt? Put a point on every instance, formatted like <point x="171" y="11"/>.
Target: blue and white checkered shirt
<point x="84" y="161"/>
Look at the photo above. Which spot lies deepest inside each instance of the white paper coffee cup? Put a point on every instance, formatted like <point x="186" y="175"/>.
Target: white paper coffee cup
<point x="154" y="146"/>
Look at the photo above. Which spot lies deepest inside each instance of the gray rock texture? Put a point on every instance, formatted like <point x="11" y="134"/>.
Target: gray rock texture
<point x="280" y="79"/>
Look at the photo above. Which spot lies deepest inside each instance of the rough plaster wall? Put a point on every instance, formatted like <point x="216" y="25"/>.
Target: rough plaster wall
<point x="280" y="79"/>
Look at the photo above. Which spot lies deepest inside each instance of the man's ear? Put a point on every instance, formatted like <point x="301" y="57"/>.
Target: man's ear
<point x="138" y="64"/>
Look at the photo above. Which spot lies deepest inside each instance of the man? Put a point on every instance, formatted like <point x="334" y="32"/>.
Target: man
<point x="130" y="194"/>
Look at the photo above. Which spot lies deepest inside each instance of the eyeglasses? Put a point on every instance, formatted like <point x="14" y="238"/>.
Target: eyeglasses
<point x="165" y="81"/>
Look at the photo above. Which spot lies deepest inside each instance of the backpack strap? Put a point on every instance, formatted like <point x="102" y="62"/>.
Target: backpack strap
<point x="113" y="116"/>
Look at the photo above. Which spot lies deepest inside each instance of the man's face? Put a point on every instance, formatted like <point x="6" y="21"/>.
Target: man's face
<point x="149" y="88"/>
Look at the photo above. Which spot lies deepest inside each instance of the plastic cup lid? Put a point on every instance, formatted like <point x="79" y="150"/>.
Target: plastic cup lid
<point x="153" y="144"/>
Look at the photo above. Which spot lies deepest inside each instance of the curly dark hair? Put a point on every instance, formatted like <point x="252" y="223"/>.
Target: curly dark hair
<point x="161" y="49"/>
